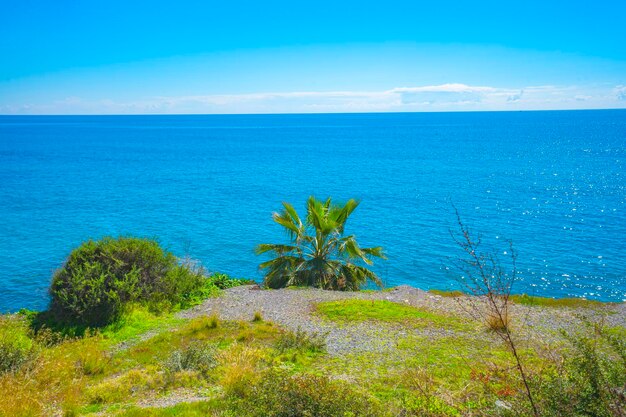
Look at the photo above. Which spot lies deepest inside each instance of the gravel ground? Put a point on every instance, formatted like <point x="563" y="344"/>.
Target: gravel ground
<point x="294" y="308"/>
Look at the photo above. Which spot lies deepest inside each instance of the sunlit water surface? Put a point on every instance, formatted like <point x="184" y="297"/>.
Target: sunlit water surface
<point x="552" y="182"/>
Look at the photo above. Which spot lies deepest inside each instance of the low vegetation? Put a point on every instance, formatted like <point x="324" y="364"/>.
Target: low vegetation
<point x="356" y="310"/>
<point x="592" y="379"/>
<point x="279" y="393"/>
<point x="301" y="341"/>
<point x="197" y="356"/>
<point x="532" y="300"/>
<point x="256" y="368"/>
<point x="100" y="279"/>
<point x="113" y="345"/>
<point x="17" y="349"/>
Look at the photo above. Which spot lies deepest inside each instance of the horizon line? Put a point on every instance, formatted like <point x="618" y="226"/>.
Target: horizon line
<point x="310" y="113"/>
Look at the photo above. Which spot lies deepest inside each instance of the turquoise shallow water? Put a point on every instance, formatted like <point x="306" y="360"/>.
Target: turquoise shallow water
<point x="552" y="182"/>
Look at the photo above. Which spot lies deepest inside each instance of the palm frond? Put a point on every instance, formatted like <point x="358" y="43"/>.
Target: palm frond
<point x="344" y="213"/>
<point x="356" y="276"/>
<point x="280" y="270"/>
<point x="315" y="213"/>
<point x="286" y="222"/>
<point x="278" y="248"/>
<point x="292" y="213"/>
<point x="376" y="251"/>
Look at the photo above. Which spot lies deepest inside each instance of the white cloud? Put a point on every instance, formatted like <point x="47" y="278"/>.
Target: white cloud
<point x="444" y="97"/>
<point x="444" y="88"/>
<point x="453" y="93"/>
<point x="515" y="97"/>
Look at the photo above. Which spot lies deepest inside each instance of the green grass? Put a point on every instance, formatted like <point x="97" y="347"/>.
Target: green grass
<point x="457" y="373"/>
<point x="386" y="311"/>
<point x="531" y="300"/>
<point x="197" y="409"/>
<point x="159" y="347"/>
<point x="445" y="293"/>
<point x="419" y="373"/>
<point x="112" y="384"/>
<point x="556" y="302"/>
<point x="138" y="321"/>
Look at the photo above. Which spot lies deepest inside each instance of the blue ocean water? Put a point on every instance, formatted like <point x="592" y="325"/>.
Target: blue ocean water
<point x="552" y="182"/>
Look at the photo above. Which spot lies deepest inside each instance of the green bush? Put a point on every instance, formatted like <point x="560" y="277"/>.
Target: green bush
<point x="101" y="278"/>
<point x="592" y="379"/>
<point x="16" y="347"/>
<point x="223" y="281"/>
<point x="277" y="394"/>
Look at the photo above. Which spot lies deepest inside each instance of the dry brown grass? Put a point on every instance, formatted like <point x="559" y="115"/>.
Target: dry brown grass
<point x="239" y="365"/>
<point x="53" y="382"/>
<point x="498" y="323"/>
<point x="126" y="386"/>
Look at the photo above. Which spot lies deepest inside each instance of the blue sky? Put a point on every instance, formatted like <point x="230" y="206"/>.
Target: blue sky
<point x="123" y="57"/>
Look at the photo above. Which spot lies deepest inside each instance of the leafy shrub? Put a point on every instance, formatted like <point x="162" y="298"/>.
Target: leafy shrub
<point x="301" y="341"/>
<point x="277" y="394"/>
<point x="223" y="281"/>
<point x="197" y="356"/>
<point x="100" y="278"/>
<point x="184" y="284"/>
<point x="16" y="347"/>
<point x="592" y="380"/>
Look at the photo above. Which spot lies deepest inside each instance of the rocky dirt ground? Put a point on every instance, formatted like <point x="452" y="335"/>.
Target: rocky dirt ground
<point x="295" y="309"/>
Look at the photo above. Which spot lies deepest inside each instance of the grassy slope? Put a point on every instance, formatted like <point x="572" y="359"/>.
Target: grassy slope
<point x="115" y="372"/>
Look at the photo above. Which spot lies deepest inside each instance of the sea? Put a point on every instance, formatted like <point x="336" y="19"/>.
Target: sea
<point x="552" y="183"/>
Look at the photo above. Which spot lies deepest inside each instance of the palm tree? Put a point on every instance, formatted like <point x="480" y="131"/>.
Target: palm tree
<point x="319" y="255"/>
